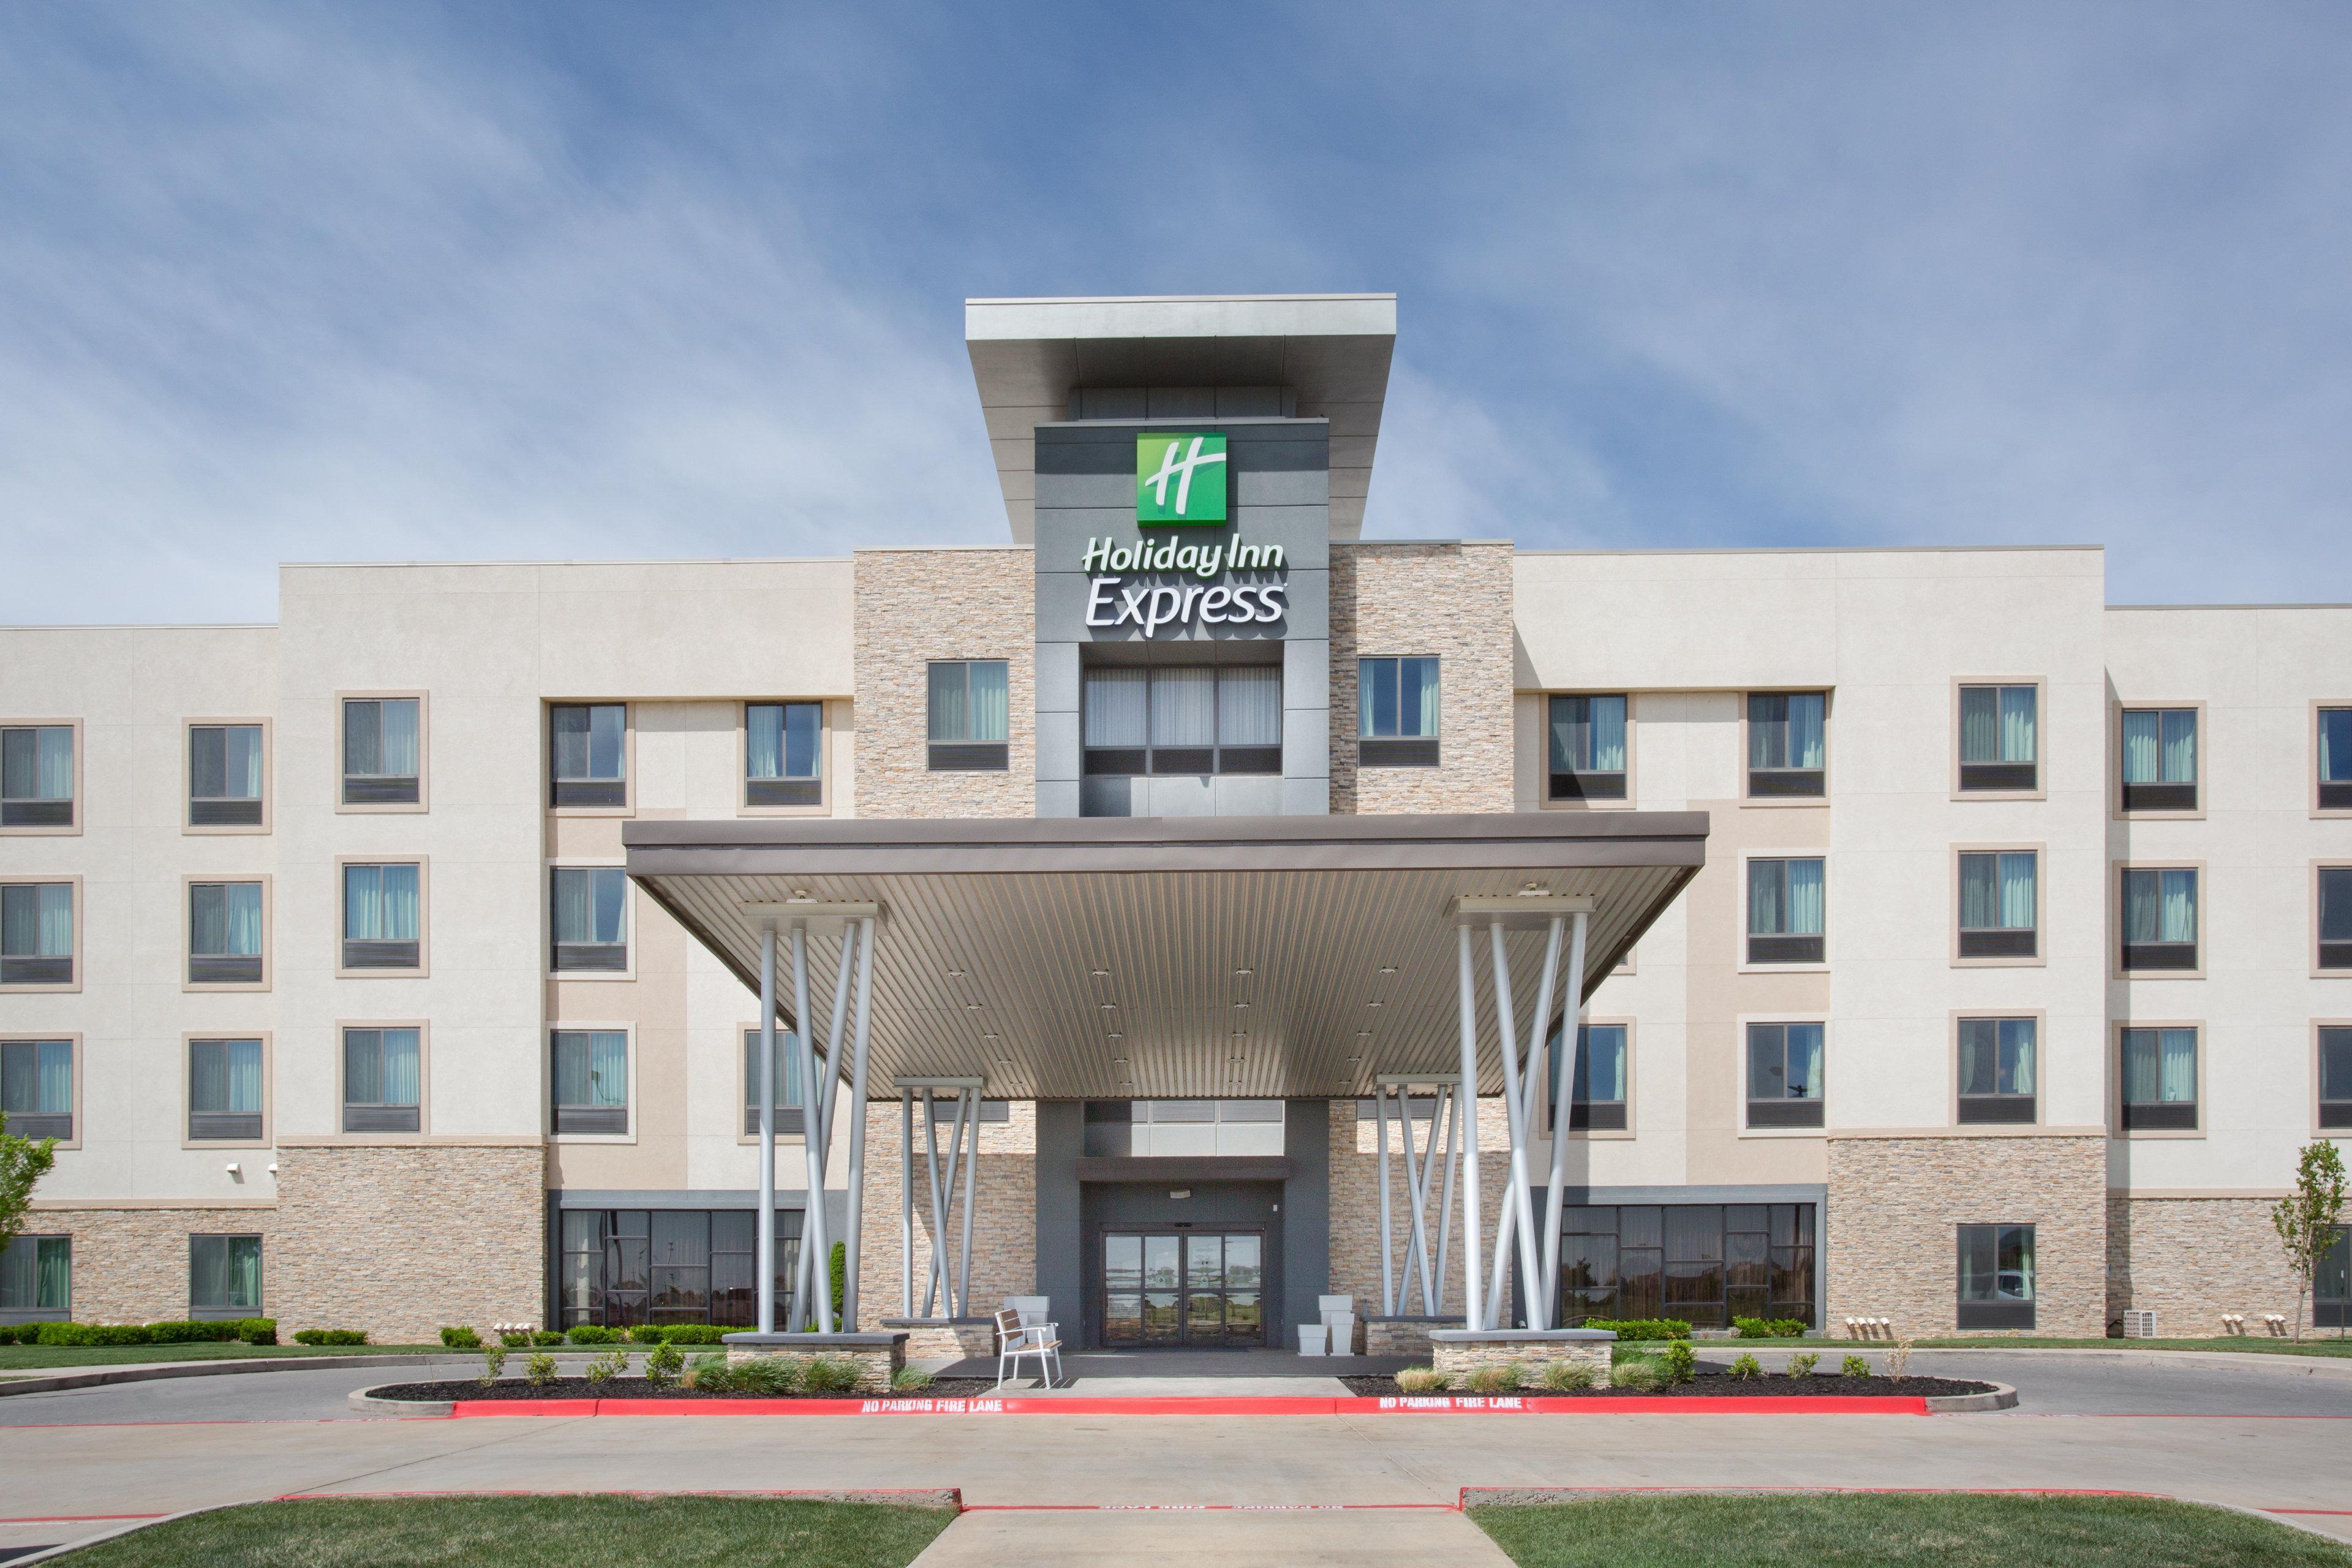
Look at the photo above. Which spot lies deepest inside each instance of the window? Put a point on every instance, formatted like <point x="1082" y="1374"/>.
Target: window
<point x="36" y="933"/>
<point x="2159" y="759"/>
<point x="1396" y="712"/>
<point x="1787" y="743"/>
<point x="2336" y="917"/>
<point x="1784" y="1075"/>
<point x="622" y="1266"/>
<point x="1996" y="740"/>
<point x="383" y="1080"/>
<point x="1997" y="1070"/>
<point x="1158" y="1128"/>
<point x="788" y="1084"/>
<point x="591" y="918"/>
<point x="784" y="753"/>
<point x="1999" y="906"/>
<point x="2159" y="1079"/>
<point x="383" y="750"/>
<point x="1596" y="1089"/>
<point x="1996" y="1276"/>
<point x="2331" y="1284"/>
<point x="1183" y="718"/>
<point x="225" y="934"/>
<point x="1586" y="748"/>
<point x="1703" y="1263"/>
<point x="225" y="774"/>
<point x="587" y="753"/>
<point x="2160" y="918"/>
<point x="382" y="917"/>
<point x="971" y="714"/>
<point x="1784" y="912"/>
<point x="37" y="775"/>
<point x="592" y="1081"/>
<point x="225" y="1091"/>
<point x="37" y="1279"/>
<point x="2336" y="1076"/>
<point x="224" y="1276"/>
<point x="37" y="1087"/>
<point x="2336" y="759"/>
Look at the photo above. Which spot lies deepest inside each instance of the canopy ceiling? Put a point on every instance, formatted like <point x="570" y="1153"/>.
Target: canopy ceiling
<point x="1149" y="958"/>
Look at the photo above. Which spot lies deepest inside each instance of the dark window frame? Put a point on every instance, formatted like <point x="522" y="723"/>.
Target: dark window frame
<point x="227" y="968"/>
<point x="25" y="1069"/>
<point x="1705" y="1263"/>
<point x="2161" y="797"/>
<point x="594" y="956"/>
<point x="387" y="956"/>
<point x="38" y="970"/>
<point x="2160" y="957"/>
<point x="39" y="813"/>
<point x="1399" y="750"/>
<point x="1995" y="775"/>
<point x="1784" y="782"/>
<point x="790" y="1119"/>
<point x="1789" y="1110"/>
<point x="1993" y="1311"/>
<point x="2333" y="1114"/>
<point x="2332" y="952"/>
<point x="1586" y="1114"/>
<point x="205" y="1313"/>
<point x="1995" y="942"/>
<point x="625" y="1277"/>
<point x="1147" y="760"/>
<point x="244" y="1128"/>
<point x="34" y="1312"/>
<point x="1574" y="783"/>
<point x="377" y="790"/>
<point x="2160" y="1115"/>
<point x="591" y="791"/>
<point x="588" y="1121"/>
<point x="2330" y="795"/>
<point x="786" y="790"/>
<point x="233" y="811"/>
<point x="1782" y="945"/>
<point x="964" y="754"/>
<point x="386" y="1116"/>
<point x="1995" y="1109"/>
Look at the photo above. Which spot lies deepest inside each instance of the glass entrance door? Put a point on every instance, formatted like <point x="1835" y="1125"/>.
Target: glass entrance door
<point x="1182" y="1287"/>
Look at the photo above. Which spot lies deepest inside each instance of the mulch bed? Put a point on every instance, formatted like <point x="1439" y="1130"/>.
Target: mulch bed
<point x="1716" y="1384"/>
<point x="639" y="1389"/>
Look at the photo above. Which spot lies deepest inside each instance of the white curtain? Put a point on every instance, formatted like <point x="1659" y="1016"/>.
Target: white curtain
<point x="1249" y="706"/>
<point x="2160" y="1066"/>
<point x="2160" y="746"/>
<point x="1184" y="706"/>
<point x="2017" y="724"/>
<point x="225" y="919"/>
<point x="1117" y="704"/>
<point x="2160" y="905"/>
<point x="788" y="1069"/>
<point x="588" y="740"/>
<point x="1804" y="1062"/>
<point x="989" y="700"/>
<point x="1417" y="698"/>
<point x="591" y="1068"/>
<point x="2017" y="875"/>
<point x="380" y="903"/>
<point x="590" y="903"/>
<point x="1601" y="1064"/>
<point x="381" y="1067"/>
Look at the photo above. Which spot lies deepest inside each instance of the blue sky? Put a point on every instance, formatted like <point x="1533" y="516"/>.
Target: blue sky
<point x="282" y="282"/>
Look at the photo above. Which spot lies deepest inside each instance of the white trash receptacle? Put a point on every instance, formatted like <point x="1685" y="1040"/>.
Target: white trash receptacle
<point x="1314" y="1339"/>
<point x="1341" y="1328"/>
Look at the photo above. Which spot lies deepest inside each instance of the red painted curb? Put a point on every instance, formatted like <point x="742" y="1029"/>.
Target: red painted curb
<point x="1236" y="1404"/>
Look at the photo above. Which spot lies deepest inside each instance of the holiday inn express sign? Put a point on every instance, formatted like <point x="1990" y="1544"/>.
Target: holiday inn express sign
<point x="1179" y="480"/>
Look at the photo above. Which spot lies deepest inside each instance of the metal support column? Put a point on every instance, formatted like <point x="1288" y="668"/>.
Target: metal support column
<point x="1421" y="1167"/>
<point x="1571" y="1018"/>
<point x="854" y="1228"/>
<point x="1473" y="1306"/>
<point x="767" y="1244"/>
<point x="905" y="1201"/>
<point x="947" y="1281"/>
<point x="1380" y="1133"/>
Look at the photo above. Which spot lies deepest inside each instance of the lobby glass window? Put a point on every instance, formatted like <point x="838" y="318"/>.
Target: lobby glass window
<point x="1996" y="738"/>
<point x="2336" y="759"/>
<point x="620" y="1267"/>
<point x="382" y="751"/>
<point x="224" y="775"/>
<point x="788" y="1084"/>
<point x="37" y="1087"/>
<point x="1182" y="719"/>
<point x="2331" y="1284"/>
<point x="1996" y="1270"/>
<point x="2335" y="1076"/>
<point x="1117" y="1129"/>
<point x="2159" y="759"/>
<point x="2159" y="1079"/>
<point x="1596" y="1089"/>
<point x="2000" y="909"/>
<point x="224" y="1276"/>
<point x="1586" y="744"/>
<point x="1787" y="743"/>
<point x="591" y="918"/>
<point x="383" y="1080"/>
<point x="784" y="753"/>
<point x="225" y="1091"/>
<point x="2336" y="917"/>
<point x="592" y="1081"/>
<point x="381" y="916"/>
<point x="970" y="716"/>
<point x="1784" y="1075"/>
<point x="2160" y="918"/>
<point x="224" y="933"/>
<point x="588" y="753"/>
<point x="37" y="1279"/>
<point x="1785" y="909"/>
<point x="1703" y="1263"/>
<point x="36" y="933"/>
<point x="37" y="775"/>
<point x="1997" y="1070"/>
<point x="1396" y="712"/>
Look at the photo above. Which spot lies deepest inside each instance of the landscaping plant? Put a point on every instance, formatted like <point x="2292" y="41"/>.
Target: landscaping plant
<point x="546" y="1337"/>
<point x="514" y="1339"/>
<point x="662" y="1367"/>
<point x="1747" y="1368"/>
<point x="1422" y="1380"/>
<point x="330" y="1336"/>
<point x="707" y="1374"/>
<point x="910" y="1380"/>
<point x="540" y="1368"/>
<point x="461" y="1338"/>
<point x="22" y="1162"/>
<point x="1898" y="1360"/>
<point x="1769" y="1328"/>
<point x="1803" y="1366"/>
<point x="829" y="1375"/>
<point x="1680" y="1363"/>
<point x="605" y="1368"/>
<point x="1643" y="1328"/>
<point x="1494" y="1377"/>
<point x="1566" y="1376"/>
<point x="1854" y="1366"/>
<point x="592" y="1334"/>
<point x="494" y="1364"/>
<point x="1642" y="1372"/>
<point x="2305" y="1220"/>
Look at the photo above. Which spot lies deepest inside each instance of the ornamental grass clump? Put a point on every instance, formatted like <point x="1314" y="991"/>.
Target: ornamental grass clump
<point x="1746" y="1368"/>
<point x="1422" y="1380"/>
<point x="1803" y="1366"/>
<point x="1679" y="1362"/>
<point x="1494" y="1377"/>
<point x="1854" y="1366"/>
<point x="1566" y="1376"/>
<point x="829" y="1375"/>
<point x="910" y="1380"/>
<point x="1642" y="1373"/>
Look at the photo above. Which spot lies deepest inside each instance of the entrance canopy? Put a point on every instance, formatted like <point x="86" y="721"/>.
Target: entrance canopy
<point x="1170" y="957"/>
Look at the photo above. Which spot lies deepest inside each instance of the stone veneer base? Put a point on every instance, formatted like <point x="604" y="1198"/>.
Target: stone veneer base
<point x="878" y="1357"/>
<point x="1461" y="1351"/>
<point x="934" y="1338"/>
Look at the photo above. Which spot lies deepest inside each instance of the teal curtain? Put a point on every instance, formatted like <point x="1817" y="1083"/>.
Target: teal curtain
<point x="2017" y="724"/>
<point x="1997" y="724"/>
<point x="1417" y="698"/>
<point x="2160" y="1066"/>
<point x="380" y="903"/>
<point x="1785" y="898"/>
<point x="788" y="1069"/>
<point x="2160" y="745"/>
<point x="1997" y="891"/>
<point x="224" y="1271"/>
<point x="1588" y="735"/>
<point x="225" y="1077"/>
<point x="1805" y="898"/>
<point x="2160" y="905"/>
<point x="586" y="740"/>
<point x="1376" y="698"/>
<point x="37" y="1275"/>
<point x="2017" y="869"/>
<point x="1804" y="1062"/>
<point x="1997" y="1056"/>
<point x="590" y="903"/>
<point x="991" y="700"/>
<point x="1785" y="730"/>
<point x="399" y="745"/>
<point x="591" y="1068"/>
<point x="52" y="1077"/>
<point x="225" y="919"/>
<point x="382" y="1067"/>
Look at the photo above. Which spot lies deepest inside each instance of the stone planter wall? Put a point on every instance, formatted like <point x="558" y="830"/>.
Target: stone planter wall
<point x="1460" y="1353"/>
<point x="932" y="1338"/>
<point x="878" y="1357"/>
<point x="1401" y="1336"/>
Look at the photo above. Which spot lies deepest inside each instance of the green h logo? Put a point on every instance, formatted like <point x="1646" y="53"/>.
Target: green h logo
<point x="1180" y="478"/>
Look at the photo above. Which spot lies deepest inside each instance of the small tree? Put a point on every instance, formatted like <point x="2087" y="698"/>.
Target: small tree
<point x="23" y="1162"/>
<point x="2307" y="1216"/>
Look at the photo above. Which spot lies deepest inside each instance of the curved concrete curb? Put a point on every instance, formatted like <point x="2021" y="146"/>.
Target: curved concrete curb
<point x="364" y="1400"/>
<point x="2226" y="1361"/>
<point x="2002" y="1397"/>
<point x="100" y="1376"/>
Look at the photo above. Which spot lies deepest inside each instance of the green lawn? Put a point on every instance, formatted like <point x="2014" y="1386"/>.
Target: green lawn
<point x="2260" y="1345"/>
<point x="531" y="1532"/>
<point x="31" y="1358"/>
<point x="1945" y="1530"/>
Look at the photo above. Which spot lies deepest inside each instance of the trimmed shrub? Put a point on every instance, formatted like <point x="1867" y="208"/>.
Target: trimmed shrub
<point x="592" y="1334"/>
<point x="605" y="1368"/>
<point x="461" y="1338"/>
<point x="494" y="1363"/>
<point x="258" y="1331"/>
<point x="664" y="1365"/>
<point x="330" y="1336"/>
<point x="1494" y="1377"/>
<point x="1769" y="1328"/>
<point x="1642" y="1327"/>
<point x="767" y="1374"/>
<point x="1679" y="1362"/>
<point x="515" y="1339"/>
<point x="190" y="1333"/>
<point x="829" y="1375"/>
<point x="695" y="1333"/>
<point x="1566" y="1376"/>
<point x="1854" y="1366"/>
<point x="1803" y="1366"/>
<point x="1639" y="1373"/>
<point x="648" y="1333"/>
<point x="21" y="1333"/>
<point x="1747" y="1368"/>
<point x="94" y="1334"/>
<point x="1422" y="1380"/>
<point x="540" y="1368"/>
<point x="546" y="1337"/>
<point x="910" y="1380"/>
